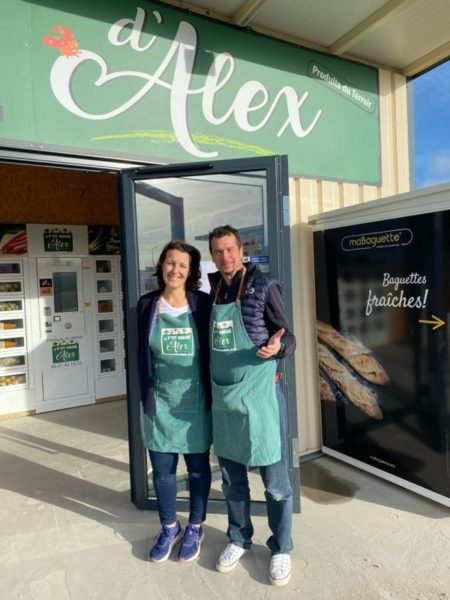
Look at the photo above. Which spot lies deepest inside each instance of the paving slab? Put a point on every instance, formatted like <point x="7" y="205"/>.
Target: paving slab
<point x="68" y="530"/>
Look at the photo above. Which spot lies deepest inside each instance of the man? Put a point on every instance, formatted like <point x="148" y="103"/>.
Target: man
<point x="249" y="333"/>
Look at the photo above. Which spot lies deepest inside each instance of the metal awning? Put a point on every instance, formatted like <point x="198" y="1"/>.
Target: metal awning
<point x="405" y="36"/>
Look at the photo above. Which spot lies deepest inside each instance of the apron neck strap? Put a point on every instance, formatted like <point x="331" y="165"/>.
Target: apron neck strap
<point x="241" y="285"/>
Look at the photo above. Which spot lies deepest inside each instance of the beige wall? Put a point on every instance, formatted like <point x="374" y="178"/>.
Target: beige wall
<point x="310" y="197"/>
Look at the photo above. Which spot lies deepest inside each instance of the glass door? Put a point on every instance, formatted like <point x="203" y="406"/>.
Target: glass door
<point x="186" y="202"/>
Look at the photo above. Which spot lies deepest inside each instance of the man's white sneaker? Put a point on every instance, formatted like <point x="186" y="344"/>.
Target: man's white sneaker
<point x="229" y="559"/>
<point x="280" y="569"/>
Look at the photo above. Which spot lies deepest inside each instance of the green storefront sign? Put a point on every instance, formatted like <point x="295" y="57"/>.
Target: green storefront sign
<point x="144" y="80"/>
<point x="65" y="352"/>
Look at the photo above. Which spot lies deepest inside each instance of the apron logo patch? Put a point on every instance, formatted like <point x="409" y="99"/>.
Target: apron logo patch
<point x="223" y="339"/>
<point x="177" y="340"/>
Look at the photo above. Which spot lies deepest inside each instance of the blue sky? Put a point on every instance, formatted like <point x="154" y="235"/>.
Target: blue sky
<point x="432" y="122"/>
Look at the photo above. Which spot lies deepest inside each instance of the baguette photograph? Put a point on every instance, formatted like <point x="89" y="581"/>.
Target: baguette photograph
<point x="346" y="365"/>
<point x="361" y="360"/>
<point x="358" y="394"/>
<point x="326" y="393"/>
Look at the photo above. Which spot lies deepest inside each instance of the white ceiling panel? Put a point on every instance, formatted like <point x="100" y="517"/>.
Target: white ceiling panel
<point x="319" y="22"/>
<point x="406" y="36"/>
<point x="396" y="45"/>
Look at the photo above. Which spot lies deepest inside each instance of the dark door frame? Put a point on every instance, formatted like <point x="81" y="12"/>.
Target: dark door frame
<point x="280" y="259"/>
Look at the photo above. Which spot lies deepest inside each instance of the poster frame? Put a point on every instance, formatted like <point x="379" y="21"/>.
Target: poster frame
<point x="423" y="201"/>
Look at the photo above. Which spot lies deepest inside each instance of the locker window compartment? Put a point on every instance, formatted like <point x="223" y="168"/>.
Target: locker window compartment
<point x="11" y="305"/>
<point x="8" y="381"/>
<point x="105" y="306"/>
<point x="107" y="345"/>
<point x="10" y="324"/>
<point x="65" y="291"/>
<point x="12" y="342"/>
<point x="108" y="365"/>
<point x="7" y="362"/>
<point x="104" y="286"/>
<point x="7" y="268"/>
<point x="106" y="326"/>
<point x="103" y="266"/>
<point x="11" y="287"/>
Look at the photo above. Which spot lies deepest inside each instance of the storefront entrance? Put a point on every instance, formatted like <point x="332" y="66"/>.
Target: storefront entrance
<point x="79" y="295"/>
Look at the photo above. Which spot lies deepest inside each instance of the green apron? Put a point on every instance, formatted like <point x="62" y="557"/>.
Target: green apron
<point x="181" y="423"/>
<point x="245" y="410"/>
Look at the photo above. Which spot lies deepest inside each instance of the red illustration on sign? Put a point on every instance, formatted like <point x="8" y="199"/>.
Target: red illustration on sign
<point x="66" y="41"/>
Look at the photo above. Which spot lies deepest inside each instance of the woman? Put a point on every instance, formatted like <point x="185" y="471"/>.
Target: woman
<point x="175" y="393"/>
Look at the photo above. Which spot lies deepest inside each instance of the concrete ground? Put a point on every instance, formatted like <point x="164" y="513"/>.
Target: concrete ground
<point x="68" y="530"/>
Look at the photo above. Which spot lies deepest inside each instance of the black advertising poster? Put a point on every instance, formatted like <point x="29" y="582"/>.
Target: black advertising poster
<point x="383" y="302"/>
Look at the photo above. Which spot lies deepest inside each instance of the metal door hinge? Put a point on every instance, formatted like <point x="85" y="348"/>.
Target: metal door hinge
<point x="286" y="212"/>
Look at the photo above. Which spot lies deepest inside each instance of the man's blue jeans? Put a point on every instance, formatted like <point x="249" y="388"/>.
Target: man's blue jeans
<point x="164" y="466"/>
<point x="278" y="493"/>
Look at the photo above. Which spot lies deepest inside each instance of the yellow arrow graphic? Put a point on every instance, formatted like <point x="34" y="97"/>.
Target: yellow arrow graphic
<point x="437" y="322"/>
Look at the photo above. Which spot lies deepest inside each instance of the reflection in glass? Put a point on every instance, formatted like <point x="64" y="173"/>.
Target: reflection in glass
<point x="65" y="292"/>
<point x="10" y="287"/>
<point x="108" y="365"/>
<point x="12" y="342"/>
<point x="12" y="361"/>
<point x="105" y="306"/>
<point x="15" y="379"/>
<point x="103" y="266"/>
<point x="106" y="345"/>
<point x="11" y="324"/>
<point x="104" y="286"/>
<point x="12" y="267"/>
<point x="106" y="325"/>
<point x="189" y="207"/>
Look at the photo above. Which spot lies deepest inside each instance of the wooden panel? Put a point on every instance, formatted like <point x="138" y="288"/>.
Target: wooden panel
<point x="37" y="194"/>
<point x="330" y="194"/>
<point x="351" y="193"/>
<point x="401" y="127"/>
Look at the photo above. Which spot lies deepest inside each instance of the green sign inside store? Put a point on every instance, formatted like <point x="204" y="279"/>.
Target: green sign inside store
<point x="147" y="81"/>
<point x="65" y="352"/>
<point x="58" y="241"/>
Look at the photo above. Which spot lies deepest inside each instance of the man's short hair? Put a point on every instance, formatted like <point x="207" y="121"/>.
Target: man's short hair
<point x="222" y="231"/>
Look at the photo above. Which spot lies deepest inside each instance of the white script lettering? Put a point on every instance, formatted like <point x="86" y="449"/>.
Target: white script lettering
<point x="250" y="98"/>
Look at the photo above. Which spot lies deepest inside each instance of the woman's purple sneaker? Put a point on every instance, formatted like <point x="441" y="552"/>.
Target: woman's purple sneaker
<point x="191" y="544"/>
<point x="166" y="540"/>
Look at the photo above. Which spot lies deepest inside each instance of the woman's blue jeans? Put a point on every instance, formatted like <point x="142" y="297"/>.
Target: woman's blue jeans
<point x="278" y="493"/>
<point x="164" y="466"/>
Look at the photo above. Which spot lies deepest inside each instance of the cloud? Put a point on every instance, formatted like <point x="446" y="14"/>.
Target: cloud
<point x="433" y="168"/>
<point x="440" y="164"/>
